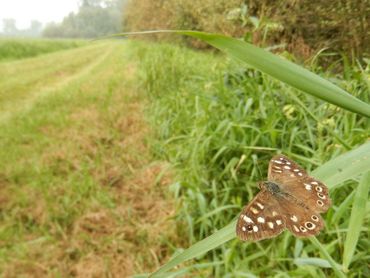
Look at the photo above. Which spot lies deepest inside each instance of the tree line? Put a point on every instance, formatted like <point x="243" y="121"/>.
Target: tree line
<point x="94" y="18"/>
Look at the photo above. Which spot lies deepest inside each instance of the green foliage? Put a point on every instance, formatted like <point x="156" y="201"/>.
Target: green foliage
<point x="300" y="27"/>
<point x="11" y="49"/>
<point x="219" y="124"/>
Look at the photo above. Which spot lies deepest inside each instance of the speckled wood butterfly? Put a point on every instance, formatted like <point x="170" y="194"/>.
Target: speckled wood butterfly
<point x="289" y="199"/>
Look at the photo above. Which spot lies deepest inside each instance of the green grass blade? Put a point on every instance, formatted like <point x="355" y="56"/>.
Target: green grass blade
<point x="279" y="68"/>
<point x="284" y="70"/>
<point x="342" y="168"/>
<point x="325" y="253"/>
<point x="312" y="261"/>
<point x="357" y="217"/>
<point x="225" y="234"/>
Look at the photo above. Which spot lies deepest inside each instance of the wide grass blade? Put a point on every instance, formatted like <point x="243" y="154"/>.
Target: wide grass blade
<point x="357" y="158"/>
<point x="342" y="168"/>
<point x="335" y="266"/>
<point x="281" y="69"/>
<point x="225" y="234"/>
<point x="357" y="217"/>
<point x="312" y="261"/>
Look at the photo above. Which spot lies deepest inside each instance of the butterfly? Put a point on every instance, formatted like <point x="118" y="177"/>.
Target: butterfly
<point x="290" y="199"/>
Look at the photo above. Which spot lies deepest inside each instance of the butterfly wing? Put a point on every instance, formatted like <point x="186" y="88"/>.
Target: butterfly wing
<point x="300" y="220"/>
<point x="261" y="218"/>
<point x="295" y="181"/>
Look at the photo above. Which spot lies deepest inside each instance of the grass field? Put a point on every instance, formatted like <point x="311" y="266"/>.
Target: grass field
<point x="80" y="193"/>
<point x="116" y="155"/>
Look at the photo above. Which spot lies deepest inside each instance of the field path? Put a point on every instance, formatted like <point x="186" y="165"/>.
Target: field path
<point x="22" y="82"/>
<point x="81" y="194"/>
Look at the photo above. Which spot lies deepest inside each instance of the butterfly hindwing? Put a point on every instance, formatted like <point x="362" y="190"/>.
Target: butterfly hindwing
<point x="300" y="220"/>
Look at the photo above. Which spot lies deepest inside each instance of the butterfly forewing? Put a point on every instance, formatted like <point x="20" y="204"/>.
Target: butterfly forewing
<point x="295" y="181"/>
<point x="261" y="218"/>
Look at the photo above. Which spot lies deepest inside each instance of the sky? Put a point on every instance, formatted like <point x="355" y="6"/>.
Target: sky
<point x="23" y="11"/>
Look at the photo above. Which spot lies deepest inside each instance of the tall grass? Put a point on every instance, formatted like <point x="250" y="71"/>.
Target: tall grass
<point x="219" y="122"/>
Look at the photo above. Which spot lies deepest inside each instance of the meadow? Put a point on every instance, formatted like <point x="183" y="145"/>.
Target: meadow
<point x="117" y="155"/>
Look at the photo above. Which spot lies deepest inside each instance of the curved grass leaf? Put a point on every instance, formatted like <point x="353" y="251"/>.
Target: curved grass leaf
<point x="283" y="70"/>
<point x="220" y="237"/>
<point x="313" y="262"/>
<point x="358" y="158"/>
<point x="340" y="169"/>
<point x="356" y="219"/>
<point x="335" y="266"/>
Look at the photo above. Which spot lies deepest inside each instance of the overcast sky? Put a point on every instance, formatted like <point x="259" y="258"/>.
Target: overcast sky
<point x="23" y="11"/>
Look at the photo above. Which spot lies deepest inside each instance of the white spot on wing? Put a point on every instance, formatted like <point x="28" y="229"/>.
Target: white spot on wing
<point x="314" y="182"/>
<point x="300" y="174"/>
<point x="279" y="222"/>
<point x="294" y="218"/>
<point x="247" y="219"/>
<point x="260" y="205"/>
<point x="254" y="210"/>
<point x="255" y="228"/>
<point x="244" y="229"/>
<point x="287" y="167"/>
<point x="308" y="186"/>
<point x="261" y="219"/>
<point x="270" y="224"/>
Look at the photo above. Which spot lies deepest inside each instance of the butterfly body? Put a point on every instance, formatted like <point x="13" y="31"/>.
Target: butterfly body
<point x="290" y="199"/>
<point x="272" y="187"/>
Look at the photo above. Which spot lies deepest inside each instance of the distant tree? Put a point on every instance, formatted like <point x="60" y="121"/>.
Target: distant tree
<point x="35" y="28"/>
<point x="10" y="29"/>
<point x="94" y="18"/>
<point x="9" y="26"/>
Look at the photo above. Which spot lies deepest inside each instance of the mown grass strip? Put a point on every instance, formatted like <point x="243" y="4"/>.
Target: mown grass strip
<point x="357" y="216"/>
<point x="279" y="68"/>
